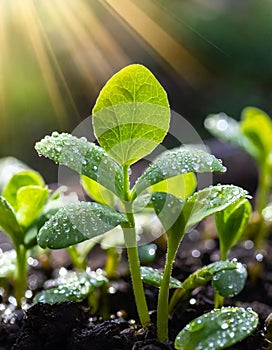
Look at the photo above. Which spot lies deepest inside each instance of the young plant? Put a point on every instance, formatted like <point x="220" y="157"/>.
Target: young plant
<point x="21" y="204"/>
<point x="253" y="135"/>
<point x="130" y="118"/>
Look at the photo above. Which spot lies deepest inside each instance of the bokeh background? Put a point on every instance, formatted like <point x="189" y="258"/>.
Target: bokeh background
<point x="55" y="56"/>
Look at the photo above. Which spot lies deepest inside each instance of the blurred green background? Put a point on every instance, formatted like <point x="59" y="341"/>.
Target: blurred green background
<point x="55" y="56"/>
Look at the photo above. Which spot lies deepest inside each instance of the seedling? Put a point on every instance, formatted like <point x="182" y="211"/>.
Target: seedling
<point x="253" y="135"/>
<point x="130" y="118"/>
<point x="21" y="204"/>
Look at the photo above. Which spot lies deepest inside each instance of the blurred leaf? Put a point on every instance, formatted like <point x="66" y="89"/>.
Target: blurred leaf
<point x="7" y="263"/>
<point x="8" y="167"/>
<point x="175" y="162"/>
<point x="181" y="186"/>
<point x="231" y="223"/>
<point x="230" y="282"/>
<point x="154" y="277"/>
<point x="8" y="221"/>
<point x="73" y="286"/>
<point x="18" y="180"/>
<point x="210" y="201"/>
<point x="217" y="329"/>
<point x="97" y="192"/>
<point x="30" y="201"/>
<point x="256" y="125"/>
<point x="228" y="130"/>
<point x="83" y="157"/>
<point x="131" y="115"/>
<point x="76" y="223"/>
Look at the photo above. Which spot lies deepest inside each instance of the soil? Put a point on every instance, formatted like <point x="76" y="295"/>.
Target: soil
<point x="70" y="325"/>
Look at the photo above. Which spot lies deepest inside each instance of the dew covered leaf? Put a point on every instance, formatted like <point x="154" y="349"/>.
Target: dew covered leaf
<point x="131" y="115"/>
<point x="228" y="130"/>
<point x="30" y="201"/>
<point x="217" y="329"/>
<point x="231" y="223"/>
<point x="7" y="263"/>
<point x="154" y="277"/>
<point x="76" y="223"/>
<point x="74" y="286"/>
<point x="210" y="201"/>
<point x="181" y="186"/>
<point x="256" y="125"/>
<point x="19" y="180"/>
<point x="230" y="282"/>
<point x="8" y="221"/>
<point x="175" y="162"/>
<point x="83" y="157"/>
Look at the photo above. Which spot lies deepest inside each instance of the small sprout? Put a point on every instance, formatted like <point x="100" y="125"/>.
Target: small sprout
<point x="217" y="329"/>
<point x="72" y="286"/>
<point x="154" y="277"/>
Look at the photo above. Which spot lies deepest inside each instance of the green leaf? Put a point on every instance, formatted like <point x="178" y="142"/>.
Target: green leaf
<point x="217" y="329"/>
<point x="30" y="202"/>
<point x="256" y="125"/>
<point x="83" y="157"/>
<point x="230" y="282"/>
<point x="154" y="277"/>
<point x="19" y="180"/>
<point x="228" y="130"/>
<point x="7" y="263"/>
<point x="231" y="223"/>
<point x="76" y="223"/>
<point x="8" y="167"/>
<point x="175" y="162"/>
<point x="8" y="221"/>
<point x="98" y="192"/>
<point x="73" y="286"/>
<point x="131" y="115"/>
<point x="181" y="186"/>
<point x="210" y="201"/>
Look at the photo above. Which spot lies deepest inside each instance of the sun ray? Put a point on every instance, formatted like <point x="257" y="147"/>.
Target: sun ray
<point x="4" y="49"/>
<point x="185" y="64"/>
<point x="28" y="13"/>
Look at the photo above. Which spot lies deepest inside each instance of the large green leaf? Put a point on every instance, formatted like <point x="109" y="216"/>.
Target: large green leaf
<point x="217" y="329"/>
<point x="175" y="162"/>
<point x="73" y="286"/>
<point x="228" y="130"/>
<point x="256" y="125"/>
<point x="231" y="223"/>
<point x="210" y="201"/>
<point x="76" y="223"/>
<point x="30" y="202"/>
<point x="8" y="221"/>
<point x="19" y="180"/>
<point x="83" y="157"/>
<point x="131" y="115"/>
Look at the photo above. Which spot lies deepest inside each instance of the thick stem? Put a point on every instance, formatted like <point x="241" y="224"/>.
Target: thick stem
<point x="20" y="281"/>
<point x="132" y="251"/>
<point x="163" y="299"/>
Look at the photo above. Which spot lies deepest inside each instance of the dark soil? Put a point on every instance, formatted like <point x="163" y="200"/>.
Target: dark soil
<point x="70" y="326"/>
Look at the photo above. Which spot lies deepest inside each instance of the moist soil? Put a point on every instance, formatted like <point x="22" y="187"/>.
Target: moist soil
<point x="71" y="326"/>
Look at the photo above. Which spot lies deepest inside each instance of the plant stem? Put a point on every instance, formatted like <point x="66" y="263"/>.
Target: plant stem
<point x="76" y="259"/>
<point x="262" y="197"/>
<point x="112" y="262"/>
<point x="132" y="251"/>
<point x="20" y="282"/>
<point x="163" y="299"/>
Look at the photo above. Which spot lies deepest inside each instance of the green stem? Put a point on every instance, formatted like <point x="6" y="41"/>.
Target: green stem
<point x="77" y="260"/>
<point x="132" y="251"/>
<point x="20" y="282"/>
<point x="112" y="262"/>
<point x="163" y="299"/>
<point x="262" y="197"/>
